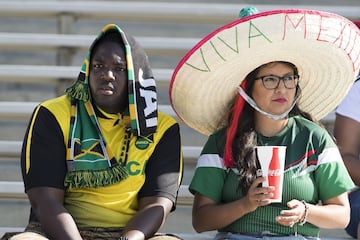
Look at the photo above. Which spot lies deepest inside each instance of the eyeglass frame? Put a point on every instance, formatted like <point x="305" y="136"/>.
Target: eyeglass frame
<point x="295" y="76"/>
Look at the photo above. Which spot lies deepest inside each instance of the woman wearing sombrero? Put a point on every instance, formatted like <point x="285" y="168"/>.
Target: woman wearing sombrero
<point x="263" y="80"/>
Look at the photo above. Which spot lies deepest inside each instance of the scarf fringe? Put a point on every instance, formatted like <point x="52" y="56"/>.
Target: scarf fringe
<point x="79" y="90"/>
<point x="95" y="179"/>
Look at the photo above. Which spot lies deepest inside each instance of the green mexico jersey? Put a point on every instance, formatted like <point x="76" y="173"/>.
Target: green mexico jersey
<point x="314" y="171"/>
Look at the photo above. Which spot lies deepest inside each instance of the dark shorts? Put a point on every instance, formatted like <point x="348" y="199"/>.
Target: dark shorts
<point x="35" y="232"/>
<point x="259" y="235"/>
<point x="354" y="199"/>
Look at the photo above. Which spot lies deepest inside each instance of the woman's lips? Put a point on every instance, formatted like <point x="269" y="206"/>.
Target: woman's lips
<point x="280" y="100"/>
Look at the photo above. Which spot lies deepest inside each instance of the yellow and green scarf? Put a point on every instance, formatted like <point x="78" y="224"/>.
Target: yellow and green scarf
<point x="90" y="161"/>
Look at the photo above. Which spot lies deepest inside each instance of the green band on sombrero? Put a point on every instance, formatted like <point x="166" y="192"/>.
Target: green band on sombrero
<point x="90" y="161"/>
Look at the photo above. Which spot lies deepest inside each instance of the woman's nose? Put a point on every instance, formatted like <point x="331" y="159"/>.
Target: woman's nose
<point x="281" y="85"/>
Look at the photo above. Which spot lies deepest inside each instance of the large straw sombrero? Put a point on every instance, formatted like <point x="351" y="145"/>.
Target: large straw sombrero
<point x="325" y="47"/>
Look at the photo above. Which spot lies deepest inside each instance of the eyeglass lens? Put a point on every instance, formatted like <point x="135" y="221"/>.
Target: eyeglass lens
<point x="272" y="82"/>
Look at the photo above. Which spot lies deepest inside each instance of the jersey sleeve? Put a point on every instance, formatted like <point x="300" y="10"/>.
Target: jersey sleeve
<point x="349" y="106"/>
<point x="331" y="175"/>
<point x="43" y="152"/>
<point x="165" y="167"/>
<point x="210" y="173"/>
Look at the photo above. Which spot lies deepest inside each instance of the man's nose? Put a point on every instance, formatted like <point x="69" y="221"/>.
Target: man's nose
<point x="109" y="74"/>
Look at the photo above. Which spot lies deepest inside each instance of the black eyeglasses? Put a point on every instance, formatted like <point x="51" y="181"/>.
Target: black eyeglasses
<point x="271" y="82"/>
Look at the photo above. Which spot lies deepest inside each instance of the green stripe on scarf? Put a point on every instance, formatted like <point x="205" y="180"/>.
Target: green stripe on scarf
<point x="90" y="161"/>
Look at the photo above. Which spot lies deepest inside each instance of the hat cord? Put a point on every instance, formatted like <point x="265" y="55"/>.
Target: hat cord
<point x="252" y="103"/>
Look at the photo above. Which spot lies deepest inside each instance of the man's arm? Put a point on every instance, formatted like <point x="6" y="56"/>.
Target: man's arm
<point x="43" y="163"/>
<point x="158" y="195"/>
<point x="347" y="134"/>
<point x="151" y="216"/>
<point x="47" y="203"/>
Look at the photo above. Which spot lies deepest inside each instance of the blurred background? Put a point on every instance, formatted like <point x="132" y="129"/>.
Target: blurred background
<point x="43" y="45"/>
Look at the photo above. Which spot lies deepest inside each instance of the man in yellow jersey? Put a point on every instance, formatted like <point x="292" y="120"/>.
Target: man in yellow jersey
<point x="101" y="162"/>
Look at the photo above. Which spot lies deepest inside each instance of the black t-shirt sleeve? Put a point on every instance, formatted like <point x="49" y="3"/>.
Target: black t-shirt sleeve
<point x="43" y="156"/>
<point x="164" y="168"/>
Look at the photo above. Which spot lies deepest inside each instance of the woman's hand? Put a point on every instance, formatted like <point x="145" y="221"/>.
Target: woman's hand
<point x="295" y="214"/>
<point x="258" y="196"/>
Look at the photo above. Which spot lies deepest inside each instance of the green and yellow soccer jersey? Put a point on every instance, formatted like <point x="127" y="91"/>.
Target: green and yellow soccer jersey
<point x="154" y="164"/>
<point x="314" y="171"/>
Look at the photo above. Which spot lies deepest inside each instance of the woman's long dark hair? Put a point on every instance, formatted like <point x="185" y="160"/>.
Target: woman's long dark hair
<point x="245" y="138"/>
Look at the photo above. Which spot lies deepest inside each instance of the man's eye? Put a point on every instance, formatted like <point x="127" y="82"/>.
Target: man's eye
<point x="121" y="69"/>
<point x="97" y="65"/>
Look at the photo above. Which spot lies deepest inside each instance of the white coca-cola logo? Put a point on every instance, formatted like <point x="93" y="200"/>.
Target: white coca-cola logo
<point x="274" y="172"/>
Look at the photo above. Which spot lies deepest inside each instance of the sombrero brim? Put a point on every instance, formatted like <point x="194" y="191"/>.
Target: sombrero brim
<point x="357" y="23"/>
<point x="324" y="46"/>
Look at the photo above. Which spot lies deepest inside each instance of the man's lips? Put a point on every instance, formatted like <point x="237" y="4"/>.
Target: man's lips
<point x="106" y="92"/>
<point x="107" y="89"/>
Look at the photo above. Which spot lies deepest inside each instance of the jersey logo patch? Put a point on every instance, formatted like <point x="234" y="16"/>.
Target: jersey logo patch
<point x="144" y="142"/>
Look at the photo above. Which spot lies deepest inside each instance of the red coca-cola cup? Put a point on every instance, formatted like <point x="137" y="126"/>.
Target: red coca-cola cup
<point x="272" y="160"/>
